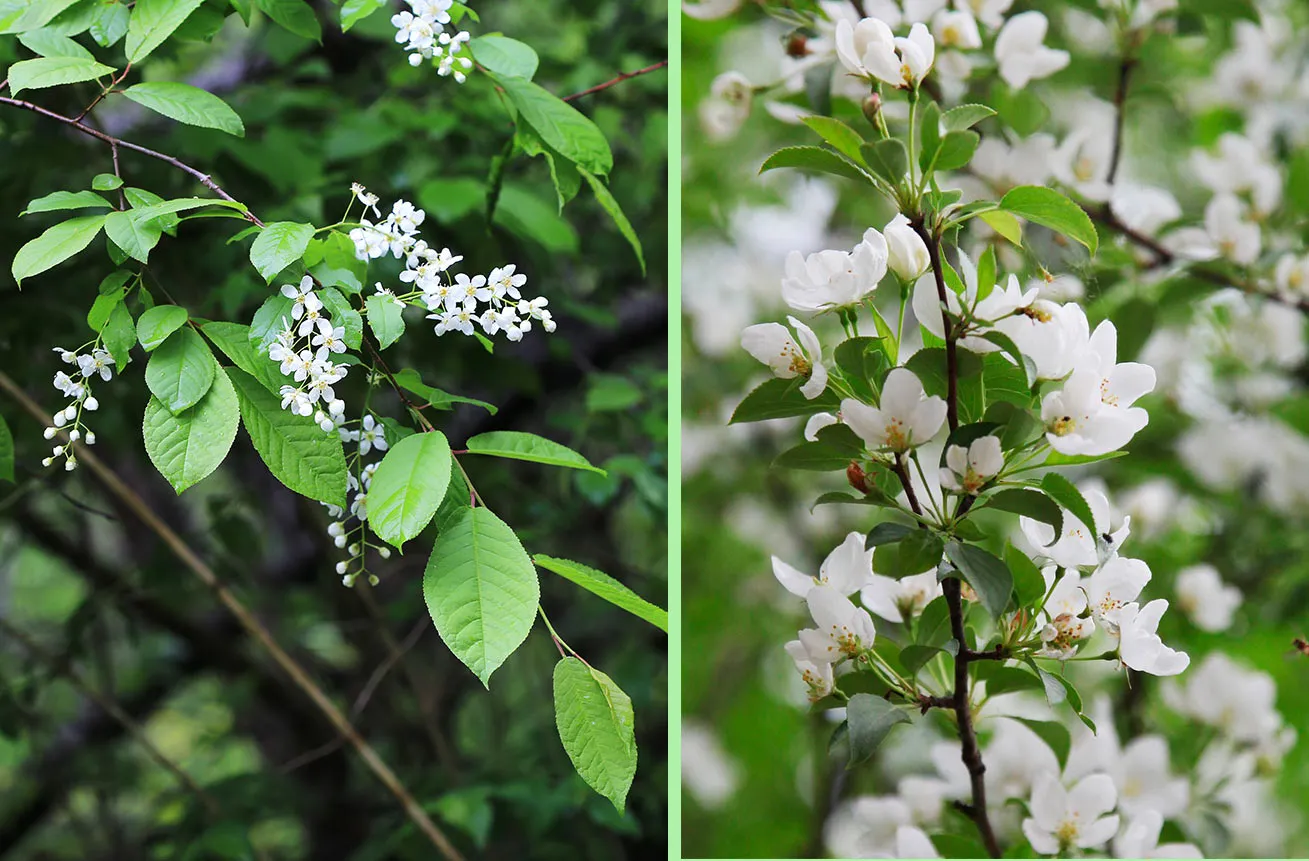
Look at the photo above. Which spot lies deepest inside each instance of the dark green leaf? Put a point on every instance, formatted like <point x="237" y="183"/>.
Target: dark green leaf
<point x="988" y="575"/>
<point x="869" y="719"/>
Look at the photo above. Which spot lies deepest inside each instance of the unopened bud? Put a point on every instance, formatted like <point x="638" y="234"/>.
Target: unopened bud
<point x="797" y="45"/>
<point x="90" y="438"/>
<point x="70" y="465"/>
<point x="854" y="473"/>
<point x="74" y="435"/>
<point x="50" y="433"/>
<point x="47" y="461"/>
<point x="872" y="106"/>
<point x="384" y="552"/>
<point x="92" y="404"/>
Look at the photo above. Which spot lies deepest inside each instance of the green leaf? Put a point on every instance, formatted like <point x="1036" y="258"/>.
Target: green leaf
<point x="988" y="576"/>
<point x="1010" y="349"/>
<point x="158" y="323"/>
<point x="7" y="455"/>
<point x="1051" y="209"/>
<point x="294" y="15"/>
<point x="56" y="245"/>
<point x="917" y="552"/>
<point x="152" y="22"/>
<point x="1005" y="224"/>
<point x="295" y="450"/>
<point x="106" y="182"/>
<point x="870" y="718"/>
<point x="606" y="587"/>
<point x="408" y="486"/>
<point x="344" y="315"/>
<point x="559" y="124"/>
<point x="1029" y="503"/>
<point x="385" y="318"/>
<point x="136" y="237"/>
<point x="501" y="55"/>
<point x="119" y="334"/>
<point x="187" y="447"/>
<point x="338" y="266"/>
<point x="409" y="380"/>
<point x="54" y="71"/>
<point x="62" y="200"/>
<point x="966" y="116"/>
<point x="1054" y="734"/>
<point x="1064" y="492"/>
<point x="597" y="727"/>
<point x="270" y="319"/>
<point x="615" y="211"/>
<point x="611" y="393"/>
<point x="278" y="246"/>
<point x="957" y="150"/>
<point x="888" y="159"/>
<point x="929" y="135"/>
<point x="914" y="657"/>
<point x="187" y="104"/>
<point x="234" y="340"/>
<point x="888" y="533"/>
<point x="354" y="11"/>
<point x="776" y="399"/>
<point x="813" y="158"/>
<point x="481" y="590"/>
<point x="845" y="139"/>
<point x="1006" y="680"/>
<point x="181" y="370"/>
<point x="1057" y="459"/>
<point x="1029" y="585"/>
<point x="517" y="445"/>
<point x="21" y="16"/>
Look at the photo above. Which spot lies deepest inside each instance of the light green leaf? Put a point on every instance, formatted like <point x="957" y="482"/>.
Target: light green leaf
<point x="869" y="719"/>
<point x="134" y="235"/>
<point x="1005" y="224"/>
<point x="278" y="246"/>
<point x="110" y="24"/>
<point x="957" y="150"/>
<point x="408" y="486"/>
<point x="559" y="124"/>
<point x="481" y="590"/>
<point x="186" y="448"/>
<point x="845" y="139"/>
<point x="1051" y="209"/>
<point x="501" y="55"/>
<point x="106" y="182"/>
<point x="985" y="572"/>
<point x="17" y="16"/>
<point x="157" y="323"/>
<point x="606" y="587"/>
<point x="343" y="315"/>
<point x="1029" y="585"/>
<point x="888" y="159"/>
<point x="294" y="15"/>
<point x="6" y="452"/>
<point x="54" y="71"/>
<point x="517" y="445"/>
<point x="814" y="158"/>
<point x="61" y="200"/>
<point x="777" y="399"/>
<point x="966" y="116"/>
<point x="47" y="43"/>
<point x="119" y="335"/>
<point x="296" y="451"/>
<point x="234" y="340"/>
<point x="272" y="317"/>
<point x="615" y="211"/>
<point x="152" y="22"/>
<point x="354" y="11"/>
<point x="386" y="319"/>
<point x="409" y="380"/>
<point x="597" y="727"/>
<point x="187" y="104"/>
<point x="181" y="370"/>
<point x="55" y="246"/>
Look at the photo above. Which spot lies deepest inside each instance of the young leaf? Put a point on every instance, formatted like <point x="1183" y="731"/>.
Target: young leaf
<point x="186" y="448"/>
<point x="53" y="71"/>
<point x="234" y="340"/>
<point x="957" y="150"/>
<point x="989" y="577"/>
<point x="344" y="315"/>
<point x="181" y="370"/>
<point x="606" y="587"/>
<point x="187" y="104"/>
<point x="61" y="200"/>
<point x="501" y="55"/>
<point x="119" y="334"/>
<point x="1005" y="224"/>
<point x="966" y="116"/>
<point x="843" y="138"/>
<point x="7" y="454"/>
<point x="1064" y="492"/>
<point x="136" y="237"/>
<point x="888" y="533"/>
<point x="295" y="450"/>
<point x="56" y="245"/>
<point x="597" y="727"/>
<point x="354" y="11"/>
<point x="106" y="182"/>
<point x="776" y="399"/>
<point x="409" y="380"/>
<point x="816" y="159"/>
<point x="888" y="159"/>
<point x="385" y="318"/>
<point x="1051" y="209"/>
<point x="517" y="445"/>
<point x="278" y="246"/>
<point x="408" y="486"/>
<point x="152" y="22"/>
<point x="481" y="589"/>
<point x="156" y="324"/>
<point x="615" y="211"/>
<point x="1029" y="585"/>
<point x="559" y="124"/>
<point x="297" y="16"/>
<point x="870" y="718"/>
<point x="917" y="552"/>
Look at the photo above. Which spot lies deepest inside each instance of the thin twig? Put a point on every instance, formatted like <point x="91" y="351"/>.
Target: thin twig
<point x="951" y="366"/>
<point x="1120" y="99"/>
<point x="618" y="80"/>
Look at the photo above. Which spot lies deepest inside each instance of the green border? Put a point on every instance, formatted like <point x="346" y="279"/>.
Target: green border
<point x="675" y="429"/>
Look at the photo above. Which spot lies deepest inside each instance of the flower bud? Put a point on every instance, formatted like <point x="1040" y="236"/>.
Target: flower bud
<point x="50" y="433"/>
<point x="74" y="435"/>
<point x="854" y="473"/>
<point x="47" y="461"/>
<point x="373" y="580"/>
<point x="907" y="255"/>
<point x="797" y="45"/>
<point x="872" y="106"/>
<point x="384" y="552"/>
<point x="340" y="568"/>
<point x="59" y="449"/>
<point x="90" y="438"/>
<point x="59" y="419"/>
<point x="91" y="404"/>
<point x="70" y="465"/>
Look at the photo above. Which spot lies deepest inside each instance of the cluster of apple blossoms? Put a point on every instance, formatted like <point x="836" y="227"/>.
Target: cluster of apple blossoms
<point x="458" y="303"/>
<point x="423" y="33"/>
<point x="90" y="361"/>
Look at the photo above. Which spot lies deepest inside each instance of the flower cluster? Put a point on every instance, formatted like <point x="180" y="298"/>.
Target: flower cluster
<point x="95" y="362"/>
<point x="493" y="304"/>
<point x="305" y="347"/>
<point x="370" y="437"/>
<point x="424" y="35"/>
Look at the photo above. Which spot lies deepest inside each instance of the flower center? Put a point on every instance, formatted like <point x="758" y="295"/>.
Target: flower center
<point x="896" y="437"/>
<point x="846" y="640"/>
<point x="1035" y="313"/>
<point x="1063" y="426"/>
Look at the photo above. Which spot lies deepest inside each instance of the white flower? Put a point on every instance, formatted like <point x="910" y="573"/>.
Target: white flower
<point x="911" y="842"/>
<point x="1084" y="159"/>
<point x="368" y="200"/>
<point x="817" y="422"/>
<point x="1293" y="276"/>
<point x="296" y="400"/>
<point x="505" y="282"/>
<point x="97" y="362"/>
<point x="843" y="631"/>
<point x="1064" y="629"/>
<point x="1140" y="839"/>
<point x="1063" y="819"/>
<point x="898" y="600"/>
<point x="328" y="339"/>
<point x="372" y="435"/>
<point x="967" y="469"/>
<point x="1241" y="167"/>
<point x="956" y="28"/>
<point x="773" y="345"/>
<point x="1206" y="600"/>
<point x="370" y="243"/>
<point x="818" y="677"/>
<point x="905" y="418"/>
<point x="731" y="95"/>
<point x="906" y="252"/>
<point x="1140" y="647"/>
<point x="866" y="827"/>
<point x="1053" y="336"/>
<point x="1235" y="699"/>
<point x="1021" y="53"/>
<point x="1234" y="236"/>
<point x="835" y="279"/>
<point x="1078" y="546"/>
<point x="989" y="12"/>
<point x="70" y="387"/>
<point x="869" y="49"/>
<point x="1114" y="585"/>
<point x="846" y="569"/>
<point x="304" y="297"/>
<point x="1078" y="421"/>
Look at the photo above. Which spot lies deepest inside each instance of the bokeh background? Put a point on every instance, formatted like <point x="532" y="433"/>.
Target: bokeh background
<point x="1217" y="478"/>
<point x="99" y="593"/>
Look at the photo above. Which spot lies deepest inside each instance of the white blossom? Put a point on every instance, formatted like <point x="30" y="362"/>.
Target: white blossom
<point x="1021" y="53"/>
<point x="773" y="345"/>
<point x="1063" y="819"/>
<point x="904" y="418"/>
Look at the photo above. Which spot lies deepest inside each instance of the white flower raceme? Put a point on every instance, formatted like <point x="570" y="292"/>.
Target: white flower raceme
<point x="869" y="49"/>
<point x="423" y="33"/>
<point x="966" y="470"/>
<point x="835" y="279"/>
<point x="905" y="418"/>
<point x="843" y="630"/>
<point x="1140" y="647"/>
<point x="773" y="345"/>
<point x="1140" y="839"/>
<point x="1021" y="53"/>
<point x="907" y="253"/>
<point x="1240" y="167"/>
<point x="898" y="600"/>
<point x="846" y="569"/>
<point x="1206" y="600"/>
<point x="1064" y="819"/>
<point x="78" y="388"/>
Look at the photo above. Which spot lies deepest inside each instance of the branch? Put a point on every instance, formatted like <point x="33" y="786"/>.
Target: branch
<point x="254" y="627"/>
<point x="618" y="80"/>
<point x="1120" y="98"/>
<point x="951" y="366"/>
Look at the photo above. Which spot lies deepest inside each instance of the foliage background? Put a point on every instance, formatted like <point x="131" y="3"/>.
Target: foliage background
<point x="84" y="579"/>
<point x="751" y="784"/>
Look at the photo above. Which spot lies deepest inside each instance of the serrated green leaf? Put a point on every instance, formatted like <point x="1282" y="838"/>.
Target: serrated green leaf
<point x="517" y="445"/>
<point x="776" y="399"/>
<point x="47" y="43"/>
<point x="571" y="133"/>
<point x="119" y="335"/>
<point x="63" y="200"/>
<point x="187" y="104"/>
<point x="295" y="15"/>
<point x="409" y="380"/>
<point x="354" y="11"/>
<point x="180" y="370"/>
<point x="152" y="22"/>
<point x="135" y="236"/>
<point x="816" y="159"/>
<point x="1051" y="209"/>
<point x="343" y="315"/>
<point x="385" y="318"/>
<point x="481" y="589"/>
<point x="915" y="553"/>
<point x="1028" y="503"/>
<point x="408" y="486"/>
<point x="501" y="55"/>
<point x="279" y="245"/>
<point x="888" y="159"/>
<point x="186" y="448"/>
<point x="966" y="116"/>
<point x="843" y="138"/>
<point x="106" y="182"/>
<point x="887" y="533"/>
<point x="597" y="727"/>
<point x="157" y="323"/>
<point x="957" y="150"/>
<point x="54" y="71"/>
<point x="234" y="340"/>
<point x="610" y="205"/>
<point x="56" y="245"/>
<point x="1029" y="585"/>
<point x="1005" y="224"/>
<point x="606" y="587"/>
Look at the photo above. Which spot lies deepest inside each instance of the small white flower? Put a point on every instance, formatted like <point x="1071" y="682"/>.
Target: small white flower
<point x="818" y="677"/>
<point x="773" y="345"/>
<point x="817" y="422"/>
<point x="1079" y="422"/>
<point x="504" y="282"/>
<point x="372" y="435"/>
<point x="846" y="569"/>
<point x="898" y="600"/>
<point x="906" y="252"/>
<point x="843" y="630"/>
<point x="70" y="387"/>
<point x="966" y="470"/>
<point x="905" y="418"/>
<point x="835" y="279"/>
<point x="869" y="49"/>
<point x="1141" y="648"/>
<point x="98" y="362"/>
<point x="368" y="200"/>
<point x="1021" y="53"/>
<point x="1140" y="839"/>
<point x="328" y="339"/>
<point x="1063" y="819"/>
<point x="1206" y="600"/>
<point x="1114" y="585"/>
<point x="304" y="297"/>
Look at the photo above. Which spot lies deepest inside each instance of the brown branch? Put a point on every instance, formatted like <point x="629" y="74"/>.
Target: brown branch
<point x="1120" y="99"/>
<point x="951" y="366"/>
<point x="138" y="506"/>
<point x="618" y="80"/>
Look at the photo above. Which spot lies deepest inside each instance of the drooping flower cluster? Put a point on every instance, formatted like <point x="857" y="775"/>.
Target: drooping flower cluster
<point x="94" y="362"/>
<point x="493" y="304"/>
<point x="305" y="348"/>
<point x="370" y="437"/>
<point x="423" y="33"/>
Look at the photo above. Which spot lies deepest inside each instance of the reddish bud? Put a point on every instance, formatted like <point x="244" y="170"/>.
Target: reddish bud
<point x="854" y="473"/>
<point x="872" y="106"/>
<point x="797" y="45"/>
